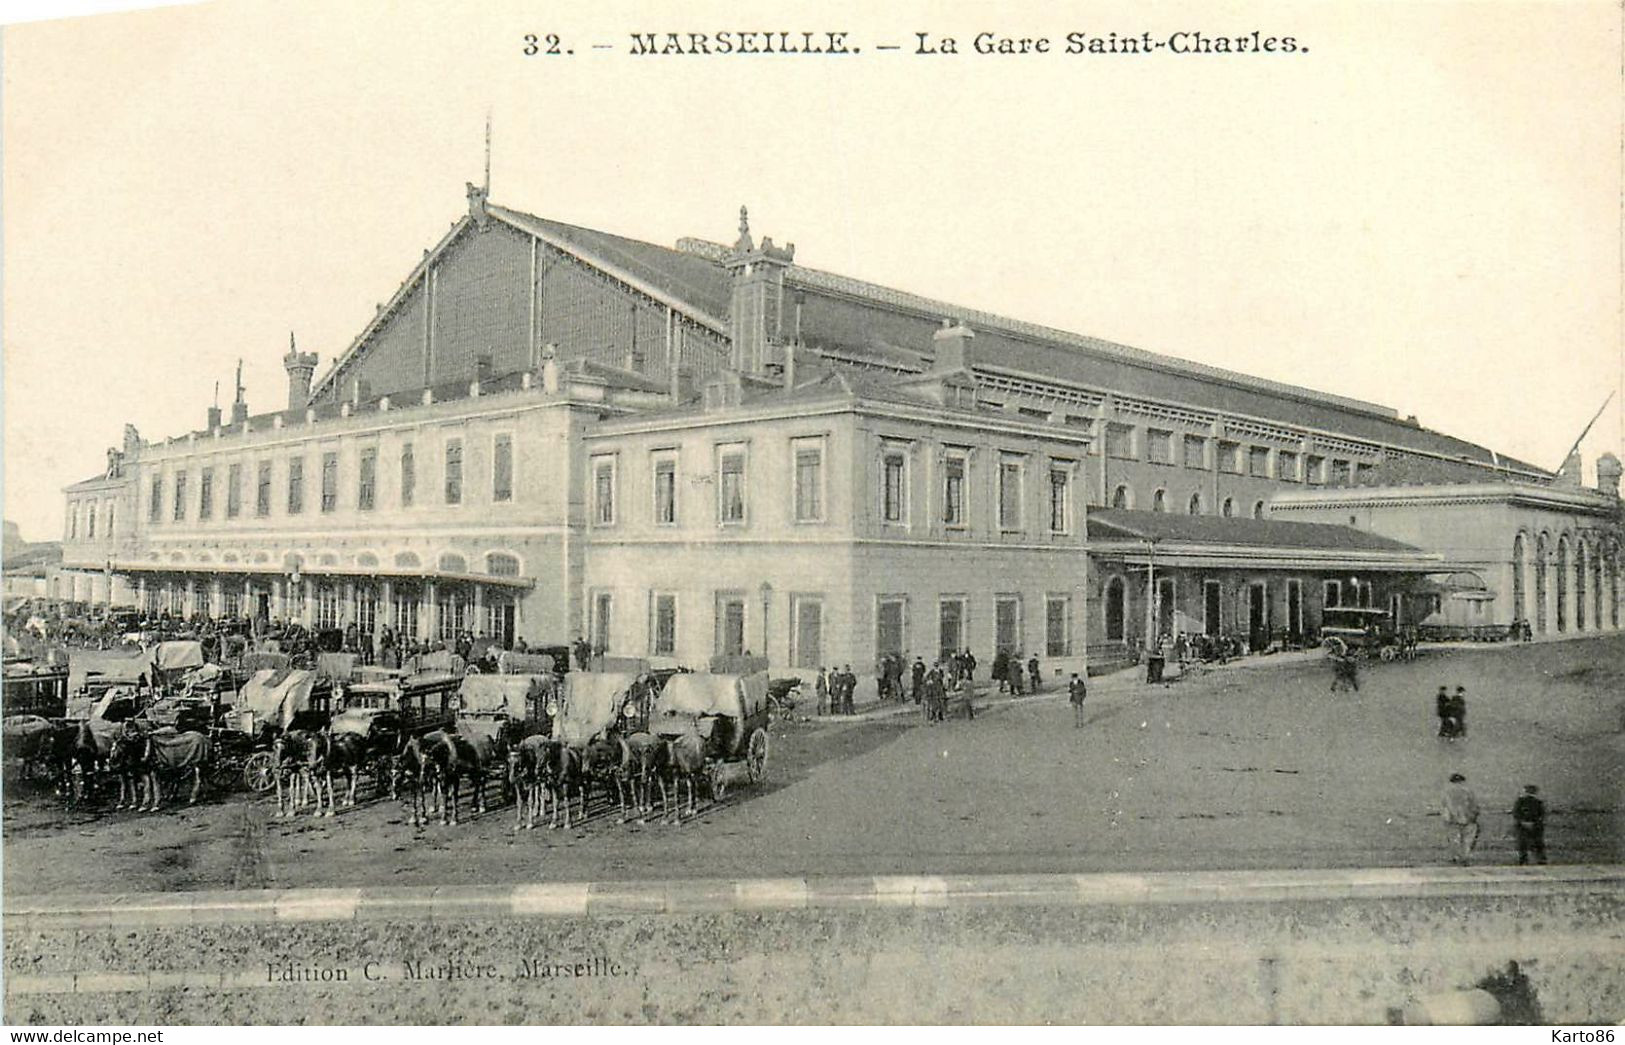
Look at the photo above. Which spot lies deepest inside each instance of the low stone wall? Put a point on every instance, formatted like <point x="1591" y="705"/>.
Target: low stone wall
<point x="1235" y="947"/>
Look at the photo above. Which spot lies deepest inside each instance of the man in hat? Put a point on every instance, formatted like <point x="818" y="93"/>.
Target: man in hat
<point x="917" y="678"/>
<point x="1441" y="707"/>
<point x="1529" y="824"/>
<point x="1460" y="809"/>
<point x="1077" y="691"/>
<point x="1458" y="713"/>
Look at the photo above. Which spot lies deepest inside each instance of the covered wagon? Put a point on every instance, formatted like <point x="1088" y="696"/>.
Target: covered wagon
<point x="728" y="712"/>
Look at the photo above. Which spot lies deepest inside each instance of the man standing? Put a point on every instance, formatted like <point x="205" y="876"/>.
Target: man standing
<point x="1460" y="809"/>
<point x="1001" y="668"/>
<point x="1529" y="824"/>
<point x="1441" y="707"/>
<point x="1458" y="713"/>
<point x="1033" y="673"/>
<point x="822" y="689"/>
<point x="1077" y="692"/>
<point x="917" y="677"/>
<point x="849" y="683"/>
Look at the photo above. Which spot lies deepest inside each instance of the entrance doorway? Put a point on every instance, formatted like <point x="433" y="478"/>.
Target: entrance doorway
<point x="1294" y="611"/>
<point x="262" y="605"/>
<point x="1165" y="606"/>
<point x="499" y="622"/>
<point x="1258" y="617"/>
<point x="1210" y="608"/>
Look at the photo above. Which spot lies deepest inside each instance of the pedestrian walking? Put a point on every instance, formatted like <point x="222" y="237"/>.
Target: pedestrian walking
<point x="821" y="687"/>
<point x="1460" y="808"/>
<point x="1033" y="673"/>
<point x="1077" y="692"/>
<point x="1458" y="712"/>
<point x="1001" y="669"/>
<point x="917" y="677"/>
<point x="1013" y="669"/>
<point x="849" y="684"/>
<point x="1441" y="707"/>
<point x="1529" y="825"/>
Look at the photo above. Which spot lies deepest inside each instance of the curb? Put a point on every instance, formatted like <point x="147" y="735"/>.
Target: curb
<point x="690" y="896"/>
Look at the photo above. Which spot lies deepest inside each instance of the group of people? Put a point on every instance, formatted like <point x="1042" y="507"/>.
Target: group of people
<point x="1460" y="809"/>
<point x="1007" y="673"/>
<point x="1451" y="709"/>
<point x="835" y="689"/>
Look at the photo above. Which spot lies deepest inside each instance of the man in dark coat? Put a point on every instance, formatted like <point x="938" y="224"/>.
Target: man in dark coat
<point x="1458" y="712"/>
<point x="917" y="677"/>
<point x="1077" y="691"/>
<point x="849" y="685"/>
<point x="1001" y="668"/>
<point x="1033" y="673"/>
<point x="1529" y="824"/>
<point x="1441" y="707"/>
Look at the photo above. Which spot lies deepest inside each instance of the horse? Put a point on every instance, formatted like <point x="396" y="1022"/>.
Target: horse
<point x="531" y="764"/>
<point x="347" y="753"/>
<point x="443" y="758"/>
<point x="144" y="754"/>
<point x="568" y="771"/>
<point x="685" y="759"/>
<point x="419" y="763"/>
<point x="301" y="754"/>
<point x="603" y="762"/>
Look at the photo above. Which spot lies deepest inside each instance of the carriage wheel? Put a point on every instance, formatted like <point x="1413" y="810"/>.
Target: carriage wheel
<point x="225" y="776"/>
<point x="259" y="772"/>
<point x="756" y="756"/>
<point x="719" y="784"/>
<point x="1388" y="653"/>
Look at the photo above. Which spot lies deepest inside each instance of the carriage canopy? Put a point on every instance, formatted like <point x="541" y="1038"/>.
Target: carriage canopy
<point x="592" y="703"/>
<point x="117" y="667"/>
<point x="510" y="695"/>
<point x="695" y="694"/>
<point x="511" y="663"/>
<point x="275" y="696"/>
<point x="178" y="655"/>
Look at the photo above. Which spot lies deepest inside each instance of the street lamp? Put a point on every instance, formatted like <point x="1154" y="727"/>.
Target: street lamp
<point x="767" y="601"/>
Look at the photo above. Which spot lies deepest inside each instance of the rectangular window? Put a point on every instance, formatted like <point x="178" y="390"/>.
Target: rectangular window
<point x="1060" y="514"/>
<point x="330" y="481"/>
<point x="663" y="627"/>
<point x="1007" y="623"/>
<point x="893" y="486"/>
<point x="73" y="522"/>
<point x="1340" y="473"/>
<point x="1286" y="465"/>
<point x="1314" y="470"/>
<point x="231" y="600"/>
<point x="453" y="612"/>
<point x="1332" y="594"/>
<point x="731" y="485"/>
<point x="405" y="613"/>
<point x="1258" y="461"/>
<point x="155" y="507"/>
<point x="366" y="488"/>
<point x="1229" y="457"/>
<point x="296" y="486"/>
<point x="1010" y="475"/>
<point x="603" y="491"/>
<point x="730" y="637"/>
<point x="891" y="620"/>
<point x="953" y="489"/>
<point x="1195" y="451"/>
<point x="262" y="489"/>
<point x="90" y="520"/>
<point x="1159" y="446"/>
<point x="110" y="507"/>
<point x="1120" y="441"/>
<point x="502" y="468"/>
<point x="1058" y="626"/>
<point x="327" y="606"/>
<point x="234" y="491"/>
<point x="454" y="471"/>
<point x="409" y="475"/>
<point x="809" y="480"/>
<point x="665" y="485"/>
<point x="807" y="632"/>
<point x="603" y="605"/>
<point x="950" y="627"/>
<point x="205" y="494"/>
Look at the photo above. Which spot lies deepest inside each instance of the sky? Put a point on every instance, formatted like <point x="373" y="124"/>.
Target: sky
<point x="1420" y="207"/>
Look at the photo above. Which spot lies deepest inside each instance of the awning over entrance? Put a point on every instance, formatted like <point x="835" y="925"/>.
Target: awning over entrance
<point x="272" y="569"/>
<point x="1164" y="539"/>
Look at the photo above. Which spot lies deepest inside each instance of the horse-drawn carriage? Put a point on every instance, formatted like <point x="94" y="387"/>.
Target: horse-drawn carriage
<point x="729" y="716"/>
<point x="30" y="690"/>
<point x="271" y="702"/>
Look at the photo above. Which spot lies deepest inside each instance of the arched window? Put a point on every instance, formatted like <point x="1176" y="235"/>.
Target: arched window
<point x="1258" y="509"/>
<point x="1159" y="501"/>
<point x="407" y="560"/>
<point x="366" y="560"/>
<point x="1122" y="498"/>
<point x="1517" y="578"/>
<point x="1228" y="509"/>
<point x="1579" y="586"/>
<point x="1540" y="583"/>
<point x="501" y="564"/>
<point x="1596" y="589"/>
<point x="1114" y="609"/>
<point x="1195" y="507"/>
<point x="1562" y="583"/>
<point x="451" y="562"/>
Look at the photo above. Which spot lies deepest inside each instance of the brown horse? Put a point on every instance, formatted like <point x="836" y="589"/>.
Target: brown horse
<point x="569" y="773"/>
<point x="531" y="764"/>
<point x="145" y="754"/>
<point x="685" y="760"/>
<point x="419" y="765"/>
<point x="301" y="756"/>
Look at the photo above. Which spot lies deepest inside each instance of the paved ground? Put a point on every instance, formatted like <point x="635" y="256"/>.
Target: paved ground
<point x="1254" y="765"/>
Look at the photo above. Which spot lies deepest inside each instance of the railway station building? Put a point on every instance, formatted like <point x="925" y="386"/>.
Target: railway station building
<point x="548" y="431"/>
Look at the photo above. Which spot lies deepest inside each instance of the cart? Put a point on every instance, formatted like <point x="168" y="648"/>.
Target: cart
<point x="511" y="707"/>
<point x="269" y="704"/>
<point x="729" y="711"/>
<point x="589" y="703"/>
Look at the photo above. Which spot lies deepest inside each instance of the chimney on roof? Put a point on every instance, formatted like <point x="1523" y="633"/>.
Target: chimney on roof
<point x="1608" y="472"/>
<point x="482" y="367"/>
<point x="951" y="347"/>
<point x="756" y="307"/>
<point x="361" y="391"/>
<point x="214" y="411"/>
<point x="301" y="367"/>
<point x="239" y="406"/>
<point x="1570" y="473"/>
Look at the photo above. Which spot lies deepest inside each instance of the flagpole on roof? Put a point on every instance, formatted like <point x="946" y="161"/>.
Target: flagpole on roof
<point x="488" y="152"/>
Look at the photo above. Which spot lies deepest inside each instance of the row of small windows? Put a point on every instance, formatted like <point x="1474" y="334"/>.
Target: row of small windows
<point x="89" y="512"/>
<point x="1162" y="446"/>
<point x="809" y="487"/>
<point x="1123" y="497"/>
<point x="366" y="488"/>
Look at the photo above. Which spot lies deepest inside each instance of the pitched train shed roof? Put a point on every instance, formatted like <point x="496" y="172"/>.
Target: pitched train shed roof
<point x="1110" y="524"/>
